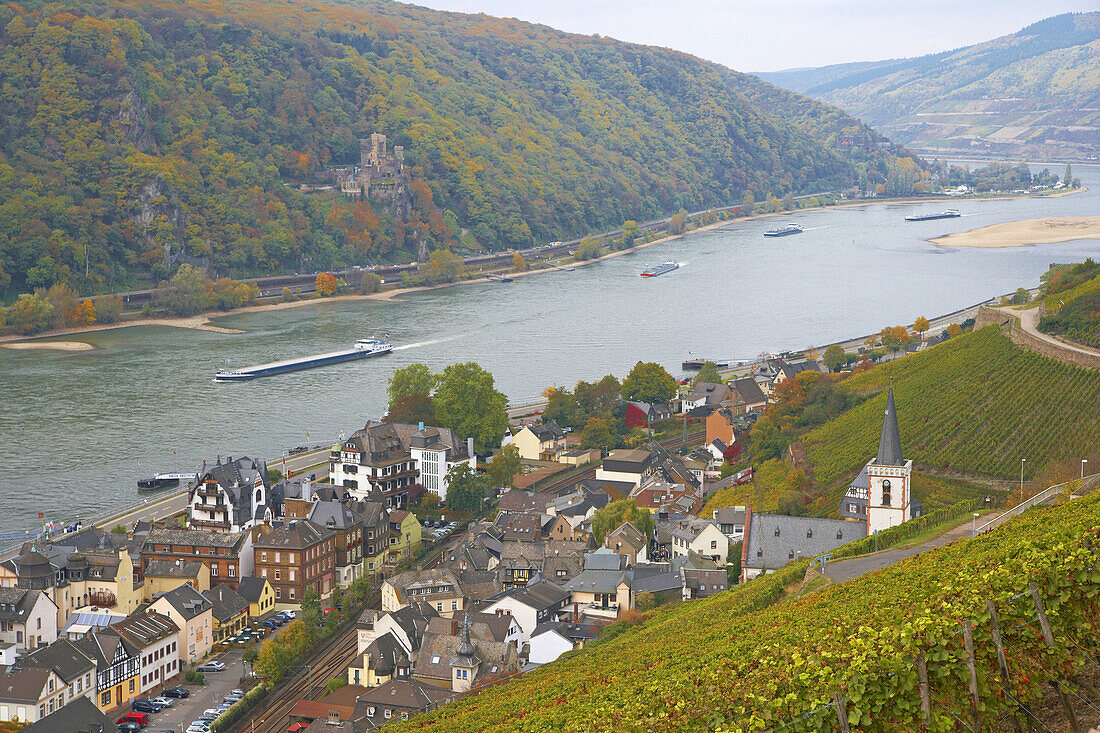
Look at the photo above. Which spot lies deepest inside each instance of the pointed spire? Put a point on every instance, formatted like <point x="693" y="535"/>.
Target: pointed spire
<point x="889" y="445"/>
<point x="466" y="647"/>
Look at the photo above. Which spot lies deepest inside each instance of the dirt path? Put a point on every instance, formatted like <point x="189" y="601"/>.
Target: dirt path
<point x="1029" y="322"/>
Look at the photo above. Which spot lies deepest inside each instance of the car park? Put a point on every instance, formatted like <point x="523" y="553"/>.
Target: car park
<point x="142" y="719"/>
<point x="177" y="692"/>
<point x="145" y="706"/>
<point x="211" y="667"/>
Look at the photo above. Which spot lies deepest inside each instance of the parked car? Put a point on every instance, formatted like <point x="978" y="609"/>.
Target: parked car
<point x="211" y="667"/>
<point x="145" y="706"/>
<point x="198" y="727"/>
<point x="177" y="692"/>
<point x="237" y="691"/>
<point x="128" y="726"/>
<point x="289" y="614"/>
<point x="142" y="719"/>
<point x="164" y="702"/>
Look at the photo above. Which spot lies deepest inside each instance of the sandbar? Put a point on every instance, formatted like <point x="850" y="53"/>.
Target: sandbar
<point x="1027" y="231"/>
<point x="52" y="345"/>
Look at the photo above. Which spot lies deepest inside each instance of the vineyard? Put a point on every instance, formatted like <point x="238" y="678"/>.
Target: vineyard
<point x="733" y="663"/>
<point x="975" y="404"/>
<point x="772" y="479"/>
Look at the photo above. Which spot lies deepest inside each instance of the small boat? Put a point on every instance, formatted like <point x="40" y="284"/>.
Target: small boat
<point x="164" y="480"/>
<point x="363" y="349"/>
<point x="569" y="269"/>
<point x="946" y="214"/>
<point x="499" y="278"/>
<point x="787" y="230"/>
<point x="660" y="269"/>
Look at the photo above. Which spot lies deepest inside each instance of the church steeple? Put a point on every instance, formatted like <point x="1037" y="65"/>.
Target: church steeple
<point x="889" y="444"/>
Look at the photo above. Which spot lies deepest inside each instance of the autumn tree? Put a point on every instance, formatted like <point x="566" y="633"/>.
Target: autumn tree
<point x="518" y="263"/>
<point x="327" y="284"/>
<point x="411" y="409"/>
<point x="31" y="313"/>
<point x="467" y="402"/>
<point x="649" y="382"/>
<point x="678" y="223"/>
<point x="108" y="309"/>
<point x="84" y="313"/>
<point x="370" y="283"/>
<point x="748" y="204"/>
<point x="600" y="432"/>
<point x="834" y="357"/>
<point x="630" y="233"/>
<point x="894" y="337"/>
<point x="443" y="266"/>
<point x="921" y="326"/>
<point x="505" y="465"/>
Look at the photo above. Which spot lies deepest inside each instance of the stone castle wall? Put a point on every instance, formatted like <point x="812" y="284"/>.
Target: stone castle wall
<point x="1025" y="340"/>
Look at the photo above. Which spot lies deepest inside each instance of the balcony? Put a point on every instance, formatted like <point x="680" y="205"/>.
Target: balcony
<point x="595" y="610"/>
<point x="101" y="598"/>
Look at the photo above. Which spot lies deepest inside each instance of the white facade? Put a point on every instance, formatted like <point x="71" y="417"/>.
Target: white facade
<point x="548" y="646"/>
<point x="889" y="500"/>
<point x="160" y="662"/>
<point x="704" y="538"/>
<point x="51" y="698"/>
<point x="39" y="628"/>
<point x="433" y="465"/>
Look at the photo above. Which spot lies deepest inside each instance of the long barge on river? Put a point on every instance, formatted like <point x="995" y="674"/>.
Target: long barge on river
<point x="946" y="214"/>
<point x="364" y="349"/>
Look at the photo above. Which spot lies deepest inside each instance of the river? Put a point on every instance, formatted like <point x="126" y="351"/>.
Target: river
<point x="79" y="428"/>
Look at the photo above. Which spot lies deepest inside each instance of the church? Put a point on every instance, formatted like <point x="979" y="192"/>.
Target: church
<point x="881" y="495"/>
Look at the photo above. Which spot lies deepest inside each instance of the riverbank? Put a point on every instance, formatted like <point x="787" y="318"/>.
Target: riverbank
<point x="38" y="341"/>
<point x="1048" y="230"/>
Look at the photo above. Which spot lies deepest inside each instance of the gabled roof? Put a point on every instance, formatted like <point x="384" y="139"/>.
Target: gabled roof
<point x="333" y="515"/>
<point x="251" y="589"/>
<point x="598" y="581"/>
<point x="401" y="694"/>
<point x="773" y="540"/>
<point x="297" y="535"/>
<point x="226" y="602"/>
<point x="485" y="626"/>
<point x="517" y="500"/>
<point x="193" y="538"/>
<point x="23" y="684"/>
<point x="384" y="655"/>
<point x="541" y="595"/>
<point x="16" y="604"/>
<point x="749" y="391"/>
<point x="712" y="394"/>
<point x="237" y="478"/>
<point x="63" y="656"/>
<point x="628" y="533"/>
<point x="79" y="716"/>
<point x="546" y="431"/>
<point x="187" y="601"/>
<point x="144" y="629"/>
<point x="182" y="569"/>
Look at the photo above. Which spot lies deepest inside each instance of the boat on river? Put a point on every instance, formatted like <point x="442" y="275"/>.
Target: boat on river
<point x="785" y="231"/>
<point x="164" y="480"/>
<point x="660" y="269"/>
<point x="363" y="349"/>
<point x="946" y="214"/>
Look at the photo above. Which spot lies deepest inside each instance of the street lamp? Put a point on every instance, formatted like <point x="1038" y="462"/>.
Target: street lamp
<point x="974" y="525"/>
<point x="1022" y="462"/>
<point x="1083" y="462"/>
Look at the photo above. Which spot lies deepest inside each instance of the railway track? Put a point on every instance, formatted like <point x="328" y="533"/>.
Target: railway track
<point x="308" y="682"/>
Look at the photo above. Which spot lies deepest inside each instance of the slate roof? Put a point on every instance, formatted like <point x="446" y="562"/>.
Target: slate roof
<point x="145" y="629"/>
<point x="413" y="586"/>
<point x="297" y="535"/>
<point x="62" y="656"/>
<point x="797" y="536"/>
<point x="656" y="578"/>
<point x="333" y="515"/>
<point x="477" y="585"/>
<point x="749" y="390"/>
<point x="23" y="684"/>
<point x="439" y="652"/>
<point x="16" y="604"/>
<point x="399" y="694"/>
<point x="485" y="626"/>
<point x="79" y="716"/>
<point x="627" y="533"/>
<point x="711" y="393"/>
<point x="384" y="655"/>
<point x="192" y="538"/>
<point x="597" y="581"/>
<point x="187" y="601"/>
<point x="541" y="595"/>
<point x="547" y="431"/>
<point x="520" y="527"/>
<point x="730" y="515"/>
<point x="225" y="602"/>
<point x="250" y="588"/>
<point x="889" y="444"/>
<point x="173" y="569"/>
<point x="792" y="369"/>
<point x="389" y="442"/>
<point x="517" y="500"/>
<point x="101" y="646"/>
<point x="237" y="478"/>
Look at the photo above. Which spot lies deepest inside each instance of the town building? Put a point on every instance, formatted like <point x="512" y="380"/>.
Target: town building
<point x="260" y="596"/>
<point x="531" y="605"/>
<point x="227" y="556"/>
<point x="155" y="639"/>
<point x="731" y="521"/>
<point x="232" y="497"/>
<point x="294" y="558"/>
<point x="706" y="394"/>
<point x="633" y="466"/>
<point x="399" y="699"/>
<point x="540" y="441"/>
<point x="118" y="667"/>
<point x="775" y="540"/>
<point x="628" y="541"/>
<point x="229" y="611"/>
<point x="75" y="669"/>
<point x="28" y="618"/>
<point x="440" y="588"/>
<point x="379" y="173"/>
<point x="646" y="414"/>
<point x="162" y="575"/>
<point x="383" y="659"/>
<point x="603" y="588"/>
<point x="348" y="530"/>
<point x="700" y="536"/>
<point x="194" y="615"/>
<point x="29" y="694"/>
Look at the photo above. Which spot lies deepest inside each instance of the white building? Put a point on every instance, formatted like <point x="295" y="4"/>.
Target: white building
<point x="549" y="642"/>
<point x="156" y="638"/>
<point x="531" y="605"/>
<point x="231" y="496"/>
<point x="28" y="618"/>
<point x="700" y="536"/>
<point x="885" y="499"/>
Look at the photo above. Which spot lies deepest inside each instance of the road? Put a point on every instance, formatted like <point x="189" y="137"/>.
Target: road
<point x="845" y="570"/>
<point x="1029" y="322"/>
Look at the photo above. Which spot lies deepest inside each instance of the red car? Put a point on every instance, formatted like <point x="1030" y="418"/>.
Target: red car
<point x="141" y="719"/>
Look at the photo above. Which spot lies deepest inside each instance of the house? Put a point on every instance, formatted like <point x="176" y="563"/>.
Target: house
<point x="334" y="713"/>
<point x="227" y="556"/>
<point x="401" y="541"/>
<point x="540" y="441"/>
<point x="408" y="625"/>
<point x="556" y="560"/>
<point x="232" y="497"/>
<point x="86" y="620"/>
<point x="659" y="496"/>
<point x="646" y="414"/>
<point x="531" y="605"/>
<point x="299" y="495"/>
<point x="629" y="541"/>
<point x="229" y="610"/>
<point x="774" y="540"/>
<point x="701" y="536"/>
<point x="579" y="456"/>
<point x="548" y="642"/>
<point x="438" y="587"/>
<point x="458" y="662"/>
<point x="702" y="583"/>
<point x="398" y="699"/>
<point x="731" y="521"/>
<point x="294" y="558"/>
<point x="393" y="456"/>
<point x="383" y="659"/>
<point x="705" y="394"/>
<point x="29" y="694"/>
<point x="603" y="588"/>
<point x="260" y="596"/>
<point x="631" y="466"/>
<point x="788" y="370"/>
<point x="118" y="666"/>
<point x="497" y="627"/>
<point x="155" y="639"/>
<point x="28" y="618"/>
<point x="729" y="426"/>
<point x="79" y="716"/>
<point x="75" y="669"/>
<point x="162" y="575"/>
<point x="95" y="572"/>
<point x="348" y="528"/>
<point x="193" y="613"/>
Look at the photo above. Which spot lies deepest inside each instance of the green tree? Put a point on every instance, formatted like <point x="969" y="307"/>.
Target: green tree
<point x="467" y="402"/>
<point x="412" y="379"/>
<point x="614" y="514"/>
<point x="31" y="313"/>
<point x="597" y="398"/>
<point x="370" y="283"/>
<point x="678" y="223"/>
<point x="561" y="407"/>
<point x="108" y="309"/>
<point x="748" y="204"/>
<point x="791" y="504"/>
<point x="588" y="249"/>
<point x="733" y="564"/>
<point x="335" y="684"/>
<point x="187" y="293"/>
<point x="465" y="489"/>
<point x="1021" y="296"/>
<point x="630" y="234"/>
<point x="1067" y="177"/>
<point x="311" y="608"/>
<point x="649" y="382"/>
<point x="834" y="357"/>
<point x="599" y="432"/>
<point x="708" y="374"/>
<point x="411" y="409"/>
<point x="443" y="266"/>
<point x="505" y="465"/>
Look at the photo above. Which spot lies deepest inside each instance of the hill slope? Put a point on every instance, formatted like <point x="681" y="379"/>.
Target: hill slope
<point x="732" y="663"/>
<point x="133" y="131"/>
<point x="1032" y="92"/>
<point x="976" y="404"/>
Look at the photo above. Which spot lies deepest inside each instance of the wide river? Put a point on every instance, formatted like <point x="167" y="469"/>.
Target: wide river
<point x="78" y="429"/>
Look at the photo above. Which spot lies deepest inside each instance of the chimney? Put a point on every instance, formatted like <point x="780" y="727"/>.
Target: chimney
<point x="470" y="447"/>
<point x="307" y="489"/>
<point x="576" y="613"/>
<point x="334" y="717"/>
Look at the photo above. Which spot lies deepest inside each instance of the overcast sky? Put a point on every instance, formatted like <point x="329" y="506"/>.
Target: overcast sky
<point x="768" y="35"/>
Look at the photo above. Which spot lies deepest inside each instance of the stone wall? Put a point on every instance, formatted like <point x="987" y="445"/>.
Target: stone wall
<point x="1025" y="340"/>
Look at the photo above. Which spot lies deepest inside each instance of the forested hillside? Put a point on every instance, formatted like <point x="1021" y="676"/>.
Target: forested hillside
<point x="1035" y="91"/>
<point x="132" y="132"/>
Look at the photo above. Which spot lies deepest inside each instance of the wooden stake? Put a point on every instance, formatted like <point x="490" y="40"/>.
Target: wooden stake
<point x="968" y="642"/>
<point x="1049" y="637"/>
<point x="1002" y="663"/>
<point x="925" y="698"/>
<point x="841" y="711"/>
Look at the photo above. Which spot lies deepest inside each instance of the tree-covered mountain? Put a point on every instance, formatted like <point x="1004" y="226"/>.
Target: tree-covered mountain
<point x="1035" y="92"/>
<point x="136" y="134"/>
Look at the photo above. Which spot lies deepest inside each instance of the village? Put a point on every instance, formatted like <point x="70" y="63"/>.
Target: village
<point x="113" y="623"/>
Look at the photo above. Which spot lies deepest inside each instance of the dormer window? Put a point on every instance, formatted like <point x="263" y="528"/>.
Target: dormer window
<point x="809" y="533"/>
<point x="777" y="531"/>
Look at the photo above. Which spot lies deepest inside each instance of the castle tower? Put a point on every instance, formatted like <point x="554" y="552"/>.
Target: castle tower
<point x="889" y="499"/>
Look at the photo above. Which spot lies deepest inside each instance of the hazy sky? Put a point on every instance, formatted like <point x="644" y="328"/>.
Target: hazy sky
<point x="768" y="35"/>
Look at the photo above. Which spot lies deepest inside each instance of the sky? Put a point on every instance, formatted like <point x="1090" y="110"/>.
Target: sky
<point x="770" y="35"/>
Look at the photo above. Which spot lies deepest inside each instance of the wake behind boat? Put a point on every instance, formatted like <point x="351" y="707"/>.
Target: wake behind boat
<point x="364" y="348"/>
<point x="789" y="229"/>
<point x="660" y="269"/>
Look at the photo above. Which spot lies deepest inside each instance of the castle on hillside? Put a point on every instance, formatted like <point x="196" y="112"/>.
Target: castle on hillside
<point x="881" y="495"/>
<point x="379" y="173"/>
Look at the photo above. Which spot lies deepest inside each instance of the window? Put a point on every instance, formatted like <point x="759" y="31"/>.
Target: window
<point x="370" y="711"/>
<point x="292" y="594"/>
<point x="277" y="557"/>
<point x="232" y="570"/>
<point x="454" y="605"/>
<point x="439" y="606"/>
<point x="278" y="574"/>
<point x="777" y="531"/>
<point x="131" y="685"/>
<point x="388" y="711"/>
<point x="278" y="592"/>
<point x="839" y="535"/>
<point x="263" y="556"/>
<point x="809" y="533"/>
<point x="214" y="570"/>
<point x="713" y="544"/>
<point x="760" y="553"/>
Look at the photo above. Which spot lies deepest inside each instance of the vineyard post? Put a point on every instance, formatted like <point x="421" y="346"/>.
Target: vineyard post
<point x="1001" y="662"/>
<point x="925" y="701"/>
<point x="841" y="711"/>
<point x="968" y="642"/>
<point x="1049" y="638"/>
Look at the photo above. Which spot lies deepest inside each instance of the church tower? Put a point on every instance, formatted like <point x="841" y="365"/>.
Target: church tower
<point x="889" y="497"/>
